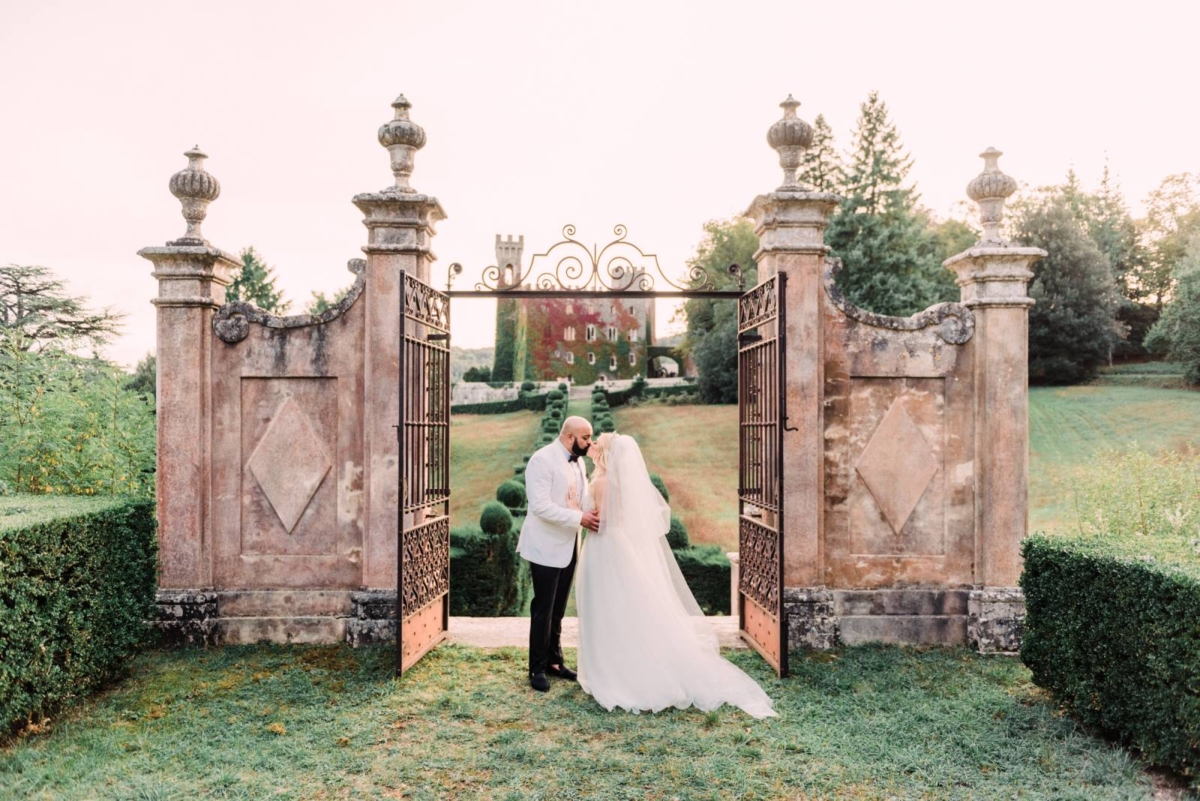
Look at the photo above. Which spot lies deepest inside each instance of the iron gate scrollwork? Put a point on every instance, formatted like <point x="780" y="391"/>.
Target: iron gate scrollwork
<point x="762" y="420"/>
<point x="423" y="552"/>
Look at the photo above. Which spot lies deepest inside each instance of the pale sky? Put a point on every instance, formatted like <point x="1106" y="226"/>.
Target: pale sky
<point x="537" y="114"/>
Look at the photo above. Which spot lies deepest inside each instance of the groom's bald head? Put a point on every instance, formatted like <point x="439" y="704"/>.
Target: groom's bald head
<point x="576" y="435"/>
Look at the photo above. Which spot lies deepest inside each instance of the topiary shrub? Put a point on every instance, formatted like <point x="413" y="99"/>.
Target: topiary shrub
<point x="495" y="518"/>
<point x="511" y="494"/>
<point x="607" y="426"/>
<point x="77" y="582"/>
<point x="707" y="572"/>
<point x="660" y="485"/>
<point x="677" y="536"/>
<point x="528" y="386"/>
<point x="486" y="579"/>
<point x="562" y="387"/>
<point x="554" y="395"/>
<point x="554" y="414"/>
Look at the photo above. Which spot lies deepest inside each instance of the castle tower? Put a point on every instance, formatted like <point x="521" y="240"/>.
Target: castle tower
<point x="508" y="258"/>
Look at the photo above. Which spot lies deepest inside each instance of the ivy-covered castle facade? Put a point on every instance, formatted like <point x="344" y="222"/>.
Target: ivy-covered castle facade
<point x="579" y="339"/>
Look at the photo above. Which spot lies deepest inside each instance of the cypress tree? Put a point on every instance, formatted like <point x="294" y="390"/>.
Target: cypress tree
<point x="820" y="166"/>
<point x="255" y="283"/>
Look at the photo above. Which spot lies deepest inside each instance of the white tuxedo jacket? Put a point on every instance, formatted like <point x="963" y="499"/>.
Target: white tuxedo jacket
<point x="551" y="528"/>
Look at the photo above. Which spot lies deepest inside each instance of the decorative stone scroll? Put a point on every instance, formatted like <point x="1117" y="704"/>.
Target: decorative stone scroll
<point x="955" y="322"/>
<point x="231" y="323"/>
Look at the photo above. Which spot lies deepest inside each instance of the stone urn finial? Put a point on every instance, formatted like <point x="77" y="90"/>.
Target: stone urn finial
<point x="195" y="189"/>
<point x="403" y="138"/>
<point x="989" y="190"/>
<point x="790" y="137"/>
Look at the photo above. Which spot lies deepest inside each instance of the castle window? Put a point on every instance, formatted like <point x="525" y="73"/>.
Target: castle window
<point x="570" y="308"/>
<point x="570" y="357"/>
<point x="612" y="362"/>
<point x="631" y="311"/>
<point x="569" y="334"/>
<point x="612" y="332"/>
<point x="633" y="335"/>
<point x="591" y="333"/>
<point x="591" y="358"/>
<point x="632" y="359"/>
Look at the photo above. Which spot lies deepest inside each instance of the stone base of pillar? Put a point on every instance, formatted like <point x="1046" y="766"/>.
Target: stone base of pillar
<point x="186" y="617"/>
<point x="811" y="619"/>
<point x="373" y="619"/>
<point x="996" y="620"/>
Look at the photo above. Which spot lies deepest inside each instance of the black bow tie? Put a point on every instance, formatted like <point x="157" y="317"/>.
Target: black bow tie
<point x="574" y="457"/>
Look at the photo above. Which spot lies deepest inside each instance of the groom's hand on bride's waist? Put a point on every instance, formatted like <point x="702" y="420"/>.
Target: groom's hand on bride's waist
<point x="590" y="521"/>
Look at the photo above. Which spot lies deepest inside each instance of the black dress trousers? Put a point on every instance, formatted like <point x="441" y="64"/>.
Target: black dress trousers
<point x="551" y="588"/>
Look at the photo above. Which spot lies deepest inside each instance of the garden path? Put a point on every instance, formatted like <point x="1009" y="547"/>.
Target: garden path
<point x="501" y="632"/>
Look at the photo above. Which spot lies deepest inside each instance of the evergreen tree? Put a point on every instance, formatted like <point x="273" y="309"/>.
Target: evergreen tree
<point x="321" y="303"/>
<point x="1177" y="333"/>
<point x="820" y="166"/>
<point x="890" y="258"/>
<point x="36" y="312"/>
<point x="1072" y="326"/>
<point x="144" y="380"/>
<point x="255" y="283"/>
<point x="506" y="339"/>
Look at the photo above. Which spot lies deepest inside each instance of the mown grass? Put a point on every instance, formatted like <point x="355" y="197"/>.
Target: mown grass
<point x="1073" y="426"/>
<point x="330" y="722"/>
<point x="695" y="450"/>
<point x="483" y="450"/>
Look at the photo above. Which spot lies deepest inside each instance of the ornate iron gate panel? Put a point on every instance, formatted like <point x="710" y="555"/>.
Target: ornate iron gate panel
<point x="761" y="422"/>
<point x="423" y="553"/>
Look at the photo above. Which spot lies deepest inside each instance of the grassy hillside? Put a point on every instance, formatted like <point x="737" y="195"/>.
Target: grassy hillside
<point x="483" y="449"/>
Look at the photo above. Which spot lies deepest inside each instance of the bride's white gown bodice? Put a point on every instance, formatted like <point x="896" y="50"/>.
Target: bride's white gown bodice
<point x="643" y="643"/>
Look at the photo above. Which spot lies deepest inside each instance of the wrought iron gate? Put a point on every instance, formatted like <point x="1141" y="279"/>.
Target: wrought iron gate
<point x="423" y="552"/>
<point x="761" y="422"/>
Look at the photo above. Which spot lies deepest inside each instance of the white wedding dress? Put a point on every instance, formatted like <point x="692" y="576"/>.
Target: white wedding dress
<point x="644" y="644"/>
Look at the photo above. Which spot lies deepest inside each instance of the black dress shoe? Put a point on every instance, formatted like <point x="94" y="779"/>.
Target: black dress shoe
<point x="563" y="672"/>
<point x="539" y="682"/>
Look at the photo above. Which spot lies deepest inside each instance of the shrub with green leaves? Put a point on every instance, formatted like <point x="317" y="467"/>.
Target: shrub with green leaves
<point x="495" y="519"/>
<point x="660" y="485"/>
<point x="707" y="571"/>
<point x="485" y="572"/>
<point x="554" y="395"/>
<point x="677" y="536"/>
<point x="1113" y="606"/>
<point x="68" y="426"/>
<point x="528" y="386"/>
<point x="562" y="387"/>
<point x="77" y="582"/>
<point x="511" y="494"/>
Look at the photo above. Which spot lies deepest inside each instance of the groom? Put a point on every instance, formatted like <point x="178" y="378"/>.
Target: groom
<point x="556" y="486"/>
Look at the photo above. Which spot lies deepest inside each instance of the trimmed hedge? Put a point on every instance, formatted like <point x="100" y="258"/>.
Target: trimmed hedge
<point x="707" y="571"/>
<point x="511" y="494"/>
<point x="677" y="536"/>
<point x="660" y="485"/>
<point x="523" y="402"/>
<point x="77" y="583"/>
<point x="1114" y="633"/>
<point x="485" y="574"/>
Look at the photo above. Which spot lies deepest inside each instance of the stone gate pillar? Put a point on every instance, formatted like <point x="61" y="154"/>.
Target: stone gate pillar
<point x="994" y="276"/>
<point x="192" y="276"/>
<point x="790" y="223"/>
<point x="400" y="223"/>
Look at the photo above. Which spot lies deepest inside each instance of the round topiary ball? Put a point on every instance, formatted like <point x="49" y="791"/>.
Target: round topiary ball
<point x="554" y="414"/>
<point x="659" y="485"/>
<point x="608" y="426"/>
<point x="562" y="387"/>
<point x="677" y="536"/>
<point x="495" y="519"/>
<point x="511" y="494"/>
<point x="528" y="386"/>
<point x="554" y="395"/>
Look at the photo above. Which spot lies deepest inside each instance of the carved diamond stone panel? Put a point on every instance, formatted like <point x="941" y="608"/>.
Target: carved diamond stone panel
<point x="897" y="465"/>
<point x="290" y="463"/>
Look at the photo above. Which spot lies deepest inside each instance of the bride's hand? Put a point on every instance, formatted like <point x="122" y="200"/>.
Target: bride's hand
<point x="572" y="499"/>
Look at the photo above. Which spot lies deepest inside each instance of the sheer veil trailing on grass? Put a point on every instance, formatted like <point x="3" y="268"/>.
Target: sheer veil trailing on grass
<point x="644" y="644"/>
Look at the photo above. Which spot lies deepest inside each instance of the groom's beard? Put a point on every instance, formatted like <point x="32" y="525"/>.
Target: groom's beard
<point x="578" y="451"/>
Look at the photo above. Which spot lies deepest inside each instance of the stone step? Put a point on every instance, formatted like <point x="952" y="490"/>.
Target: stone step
<point x="310" y="630"/>
<point x="907" y="629"/>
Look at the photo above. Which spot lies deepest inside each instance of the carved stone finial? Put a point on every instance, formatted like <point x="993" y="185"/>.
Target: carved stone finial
<point x="195" y="189"/>
<point x="790" y="137"/>
<point x="403" y="138"/>
<point x="989" y="190"/>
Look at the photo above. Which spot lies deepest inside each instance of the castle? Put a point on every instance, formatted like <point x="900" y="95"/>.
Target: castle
<point x="582" y="340"/>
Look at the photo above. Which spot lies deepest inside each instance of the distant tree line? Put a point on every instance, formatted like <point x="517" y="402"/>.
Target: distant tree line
<point x="1112" y="287"/>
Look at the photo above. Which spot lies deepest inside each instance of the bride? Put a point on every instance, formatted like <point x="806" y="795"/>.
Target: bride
<point x="644" y="643"/>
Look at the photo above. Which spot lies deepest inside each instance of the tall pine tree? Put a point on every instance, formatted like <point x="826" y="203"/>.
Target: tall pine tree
<point x="820" y="166"/>
<point x="255" y="283"/>
<point x="891" y="259"/>
<point x="1177" y="333"/>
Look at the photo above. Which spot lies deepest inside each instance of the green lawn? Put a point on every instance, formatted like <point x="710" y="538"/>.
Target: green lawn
<point x="483" y="450"/>
<point x="330" y="722"/>
<point x="1070" y="425"/>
